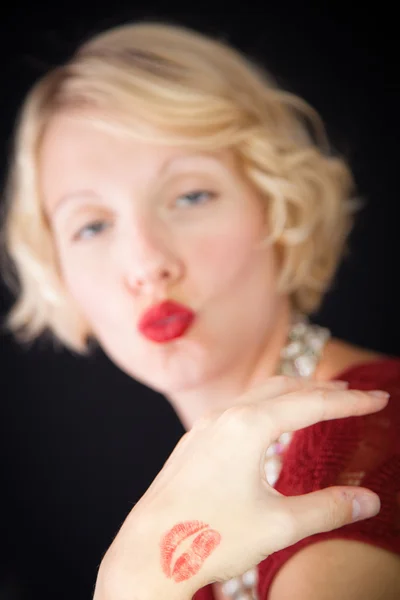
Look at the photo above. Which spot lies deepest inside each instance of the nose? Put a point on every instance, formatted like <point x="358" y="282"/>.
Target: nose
<point x="151" y="278"/>
<point x="153" y="266"/>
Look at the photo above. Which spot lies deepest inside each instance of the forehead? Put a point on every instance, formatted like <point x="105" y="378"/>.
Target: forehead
<point x="75" y="152"/>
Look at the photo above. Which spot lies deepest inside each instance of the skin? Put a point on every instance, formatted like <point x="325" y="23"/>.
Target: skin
<point x="153" y="242"/>
<point x="127" y="236"/>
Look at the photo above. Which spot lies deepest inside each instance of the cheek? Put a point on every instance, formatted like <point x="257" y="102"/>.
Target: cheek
<point x="84" y="294"/>
<point x="86" y="286"/>
<point x="225" y="256"/>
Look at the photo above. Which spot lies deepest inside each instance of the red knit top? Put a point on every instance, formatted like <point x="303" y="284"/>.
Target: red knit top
<point x="354" y="451"/>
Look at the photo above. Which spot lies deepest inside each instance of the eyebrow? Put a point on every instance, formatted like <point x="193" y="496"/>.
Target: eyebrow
<point x="165" y="167"/>
<point x="75" y="195"/>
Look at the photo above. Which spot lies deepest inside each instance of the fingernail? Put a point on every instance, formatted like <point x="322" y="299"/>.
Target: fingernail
<point x="378" y="394"/>
<point x="365" y="506"/>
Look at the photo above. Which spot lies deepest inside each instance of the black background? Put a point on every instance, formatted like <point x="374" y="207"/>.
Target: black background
<point x="80" y="441"/>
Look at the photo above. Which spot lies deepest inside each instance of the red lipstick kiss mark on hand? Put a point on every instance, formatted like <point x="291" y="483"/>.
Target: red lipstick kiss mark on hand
<point x="190" y="562"/>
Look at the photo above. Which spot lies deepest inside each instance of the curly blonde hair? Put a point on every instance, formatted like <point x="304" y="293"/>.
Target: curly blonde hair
<point x="193" y="91"/>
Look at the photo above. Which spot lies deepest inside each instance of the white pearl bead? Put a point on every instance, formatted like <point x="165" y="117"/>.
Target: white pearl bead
<point x="271" y="451"/>
<point x="272" y="469"/>
<point x="291" y="350"/>
<point x="231" y="586"/>
<point x="305" y="365"/>
<point x="285" y="438"/>
<point x="250" y="578"/>
<point x="244" y="595"/>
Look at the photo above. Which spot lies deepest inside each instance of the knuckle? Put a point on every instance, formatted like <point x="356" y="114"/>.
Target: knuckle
<point x="356" y="395"/>
<point x="239" y="416"/>
<point x="334" y="515"/>
<point x="318" y="398"/>
<point x="238" y="412"/>
<point x="321" y="394"/>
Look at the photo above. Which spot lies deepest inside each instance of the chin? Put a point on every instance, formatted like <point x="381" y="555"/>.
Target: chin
<point x="173" y="378"/>
<point x="169" y="383"/>
<point x="179" y="366"/>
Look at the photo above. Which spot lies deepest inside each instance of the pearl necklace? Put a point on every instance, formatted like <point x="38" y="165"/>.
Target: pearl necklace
<point x="298" y="358"/>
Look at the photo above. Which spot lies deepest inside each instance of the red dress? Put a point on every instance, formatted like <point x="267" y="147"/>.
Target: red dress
<point x="354" y="451"/>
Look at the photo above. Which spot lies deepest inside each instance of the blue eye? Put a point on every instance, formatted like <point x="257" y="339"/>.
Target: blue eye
<point x="194" y="198"/>
<point x="91" y="230"/>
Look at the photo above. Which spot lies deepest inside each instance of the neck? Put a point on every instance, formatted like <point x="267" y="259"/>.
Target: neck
<point x="254" y="368"/>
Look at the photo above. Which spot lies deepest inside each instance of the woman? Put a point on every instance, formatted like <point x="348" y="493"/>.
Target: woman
<point x="168" y="201"/>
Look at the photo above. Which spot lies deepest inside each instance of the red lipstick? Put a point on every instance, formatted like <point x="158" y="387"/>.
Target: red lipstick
<point x="166" y="321"/>
<point x="190" y="562"/>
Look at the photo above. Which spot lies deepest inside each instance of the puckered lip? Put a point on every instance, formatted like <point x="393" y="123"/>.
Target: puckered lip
<point x="165" y="321"/>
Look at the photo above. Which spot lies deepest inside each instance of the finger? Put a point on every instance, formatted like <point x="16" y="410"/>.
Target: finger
<point x="275" y="386"/>
<point x="324" y="510"/>
<point x="279" y="385"/>
<point x="302" y="409"/>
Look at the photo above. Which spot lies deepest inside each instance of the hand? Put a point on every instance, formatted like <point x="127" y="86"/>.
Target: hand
<point x="213" y="489"/>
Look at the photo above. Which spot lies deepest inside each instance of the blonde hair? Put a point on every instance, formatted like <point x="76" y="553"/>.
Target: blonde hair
<point x="194" y="91"/>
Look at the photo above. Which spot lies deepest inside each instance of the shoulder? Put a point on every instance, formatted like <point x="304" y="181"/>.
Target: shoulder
<point x="382" y="374"/>
<point x="385" y="372"/>
<point x="341" y="360"/>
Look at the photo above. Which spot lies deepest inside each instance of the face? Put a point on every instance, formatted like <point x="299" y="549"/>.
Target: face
<point x="135" y="224"/>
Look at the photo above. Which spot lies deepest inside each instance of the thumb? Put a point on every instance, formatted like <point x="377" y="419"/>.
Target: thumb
<point x="328" y="509"/>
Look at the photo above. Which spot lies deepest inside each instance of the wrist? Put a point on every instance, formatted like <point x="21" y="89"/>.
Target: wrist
<point x="114" y="584"/>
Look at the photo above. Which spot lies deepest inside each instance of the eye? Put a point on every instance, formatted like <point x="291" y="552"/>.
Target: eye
<point x="91" y="230"/>
<point x="194" y="198"/>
